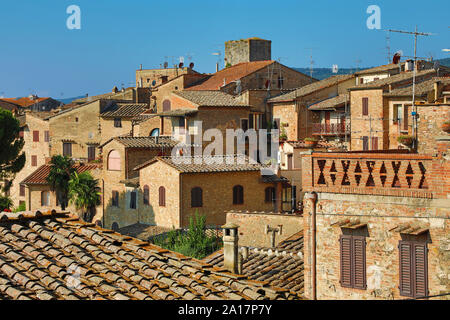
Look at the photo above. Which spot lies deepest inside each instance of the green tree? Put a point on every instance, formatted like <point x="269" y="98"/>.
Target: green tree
<point x="5" y="203"/>
<point x="12" y="160"/>
<point x="84" y="193"/>
<point x="61" y="171"/>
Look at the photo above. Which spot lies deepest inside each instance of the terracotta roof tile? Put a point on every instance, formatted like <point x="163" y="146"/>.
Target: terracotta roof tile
<point x="230" y="74"/>
<point x="70" y="259"/>
<point x="144" y="142"/>
<point x="124" y="110"/>
<point x="40" y="175"/>
<point x="210" y="98"/>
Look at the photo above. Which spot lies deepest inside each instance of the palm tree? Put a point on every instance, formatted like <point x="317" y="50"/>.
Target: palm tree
<point x="60" y="174"/>
<point x="84" y="193"/>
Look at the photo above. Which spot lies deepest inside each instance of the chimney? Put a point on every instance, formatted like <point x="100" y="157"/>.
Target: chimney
<point x="217" y="67"/>
<point x="230" y="247"/>
<point x="436" y="90"/>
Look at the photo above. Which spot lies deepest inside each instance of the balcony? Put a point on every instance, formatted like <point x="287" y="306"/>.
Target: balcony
<point x="387" y="174"/>
<point x="330" y="129"/>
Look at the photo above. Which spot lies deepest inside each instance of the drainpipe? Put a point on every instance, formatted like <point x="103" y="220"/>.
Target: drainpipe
<point x="312" y="196"/>
<point x="103" y="203"/>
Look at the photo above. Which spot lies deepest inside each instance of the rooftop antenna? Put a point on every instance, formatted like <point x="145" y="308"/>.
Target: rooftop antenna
<point x="415" y="33"/>
<point x="218" y="54"/>
<point x="388" y="46"/>
<point x="311" y="63"/>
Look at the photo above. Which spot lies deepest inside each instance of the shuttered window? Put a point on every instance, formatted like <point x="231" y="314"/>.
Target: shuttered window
<point x="67" y="149"/>
<point x="33" y="161"/>
<point x="365" y="143"/>
<point x="374" y="143"/>
<point x="115" y="199"/>
<point x="405" y="118"/>
<point x="365" y="106"/>
<point x="46" y="136"/>
<point x="270" y="194"/>
<point x="353" y="262"/>
<point x="91" y="153"/>
<point x="162" y="196"/>
<point x="196" y="197"/>
<point x="35" y="136"/>
<point x="413" y="269"/>
<point x="146" y="195"/>
<point x="238" y="195"/>
<point x="117" y="122"/>
<point x="133" y="197"/>
<point x="22" y="191"/>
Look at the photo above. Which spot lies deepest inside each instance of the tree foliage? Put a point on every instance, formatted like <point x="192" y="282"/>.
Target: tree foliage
<point x="12" y="160"/>
<point x="61" y="172"/>
<point x="84" y="193"/>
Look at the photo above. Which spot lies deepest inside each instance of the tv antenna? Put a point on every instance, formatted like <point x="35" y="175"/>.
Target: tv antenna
<point x="416" y="34"/>
<point x="311" y="62"/>
<point x="388" y="46"/>
<point x="218" y="54"/>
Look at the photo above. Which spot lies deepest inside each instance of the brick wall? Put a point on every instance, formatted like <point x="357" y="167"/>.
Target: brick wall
<point x="252" y="227"/>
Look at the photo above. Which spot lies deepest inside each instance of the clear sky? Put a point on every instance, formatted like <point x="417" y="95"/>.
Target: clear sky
<point x="39" y="54"/>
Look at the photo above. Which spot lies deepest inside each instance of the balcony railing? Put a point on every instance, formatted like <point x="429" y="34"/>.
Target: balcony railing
<point x="405" y="175"/>
<point x="330" y="128"/>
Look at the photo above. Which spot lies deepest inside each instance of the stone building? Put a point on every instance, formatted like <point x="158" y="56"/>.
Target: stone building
<point x="38" y="193"/>
<point x="151" y="78"/>
<point x="36" y="134"/>
<point x="381" y="110"/>
<point x="247" y="50"/>
<point x="376" y="224"/>
<point x="123" y="202"/>
<point x="34" y="103"/>
<point x="177" y="191"/>
<point x="290" y="111"/>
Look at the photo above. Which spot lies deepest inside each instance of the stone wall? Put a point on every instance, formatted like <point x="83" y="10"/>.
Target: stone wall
<point x="252" y="227"/>
<point x="247" y="50"/>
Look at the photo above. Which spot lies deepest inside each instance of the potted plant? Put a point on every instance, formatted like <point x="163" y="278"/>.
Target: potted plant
<point x="446" y="126"/>
<point x="407" y="141"/>
<point x="311" y="142"/>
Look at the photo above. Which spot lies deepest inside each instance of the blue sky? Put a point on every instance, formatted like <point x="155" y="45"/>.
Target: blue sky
<point x="39" y="54"/>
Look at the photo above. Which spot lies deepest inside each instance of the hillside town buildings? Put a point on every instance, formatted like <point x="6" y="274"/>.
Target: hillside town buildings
<point x="345" y="208"/>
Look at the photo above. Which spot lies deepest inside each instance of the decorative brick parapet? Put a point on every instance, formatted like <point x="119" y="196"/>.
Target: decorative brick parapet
<point x="387" y="174"/>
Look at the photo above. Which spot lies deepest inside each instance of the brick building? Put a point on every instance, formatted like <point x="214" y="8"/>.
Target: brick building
<point x="376" y="224"/>
<point x="177" y="191"/>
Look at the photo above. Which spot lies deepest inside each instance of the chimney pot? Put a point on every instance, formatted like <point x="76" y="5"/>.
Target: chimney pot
<point x="230" y="247"/>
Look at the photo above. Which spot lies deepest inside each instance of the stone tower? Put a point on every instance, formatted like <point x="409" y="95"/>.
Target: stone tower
<point x="247" y="50"/>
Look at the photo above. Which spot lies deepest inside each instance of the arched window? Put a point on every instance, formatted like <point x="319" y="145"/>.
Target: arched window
<point x="270" y="194"/>
<point x="238" y="194"/>
<point x="154" y="133"/>
<point x="115" y="226"/>
<point x="196" y="197"/>
<point x="162" y="196"/>
<point x="146" y="195"/>
<point x="114" y="161"/>
<point x="166" y="105"/>
<point x="45" y="198"/>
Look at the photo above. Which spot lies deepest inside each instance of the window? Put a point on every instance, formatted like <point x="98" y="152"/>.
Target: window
<point x="114" y="161"/>
<point x="115" y="199"/>
<point x="162" y="196"/>
<point x="398" y="114"/>
<point x="196" y="197"/>
<point x="115" y="226"/>
<point x="365" y="106"/>
<point x="166" y="105"/>
<point x="35" y="136"/>
<point x="361" y="80"/>
<point x="46" y="136"/>
<point x="133" y="198"/>
<point x="238" y="195"/>
<point x="251" y="120"/>
<point x="117" y="123"/>
<point x="146" y="195"/>
<point x="244" y="124"/>
<point x="154" y="132"/>
<point x="91" y="153"/>
<point x="365" y="143"/>
<point x="67" y="149"/>
<point x="405" y="118"/>
<point x="76" y="119"/>
<point x="270" y="194"/>
<point x="290" y="162"/>
<point x="21" y="134"/>
<point x="33" y="161"/>
<point x="22" y="191"/>
<point x="413" y="268"/>
<point x="353" y="261"/>
<point x="374" y="143"/>
<point x="45" y="198"/>
<point x="280" y="82"/>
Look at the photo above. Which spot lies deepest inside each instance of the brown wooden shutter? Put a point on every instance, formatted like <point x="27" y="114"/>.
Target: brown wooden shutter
<point x="405" y="118"/>
<point x="33" y="161"/>
<point x="146" y="195"/>
<point x="420" y="270"/>
<point x="374" y="143"/>
<point x="133" y="200"/>
<point x="346" y="261"/>
<point x="365" y="143"/>
<point x="359" y="262"/>
<point x="46" y="136"/>
<point x="365" y="106"/>
<point x="162" y="197"/>
<point x="35" y="136"/>
<point x="405" y="253"/>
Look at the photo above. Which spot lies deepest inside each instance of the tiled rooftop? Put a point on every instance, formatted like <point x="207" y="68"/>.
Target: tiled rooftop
<point x="281" y="266"/>
<point x="210" y="98"/>
<point x="421" y="89"/>
<point x="40" y="175"/>
<point x="124" y="110"/>
<point x="230" y="74"/>
<point x="25" y="101"/>
<point x="144" y="142"/>
<point x="331" y="103"/>
<point x="206" y="165"/>
<point x="56" y="256"/>
<point x="311" y="88"/>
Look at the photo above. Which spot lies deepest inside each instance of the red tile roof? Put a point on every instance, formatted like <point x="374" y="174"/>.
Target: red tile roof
<point x="25" y="101"/>
<point x="40" y="175"/>
<point x="230" y="74"/>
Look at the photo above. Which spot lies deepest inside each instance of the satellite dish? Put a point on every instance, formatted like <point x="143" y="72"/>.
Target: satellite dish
<point x="191" y="65"/>
<point x="166" y="64"/>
